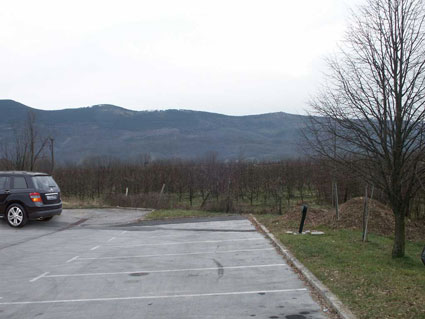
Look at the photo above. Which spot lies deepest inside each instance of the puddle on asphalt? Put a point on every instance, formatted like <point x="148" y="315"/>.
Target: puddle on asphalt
<point x="139" y="274"/>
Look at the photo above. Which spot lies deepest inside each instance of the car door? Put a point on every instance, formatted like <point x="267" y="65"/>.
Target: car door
<point x="4" y="192"/>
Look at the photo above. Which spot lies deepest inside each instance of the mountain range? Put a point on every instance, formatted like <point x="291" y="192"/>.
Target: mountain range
<point x="108" y="130"/>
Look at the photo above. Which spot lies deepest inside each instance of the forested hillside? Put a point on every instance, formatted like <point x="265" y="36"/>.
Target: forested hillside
<point x="108" y="130"/>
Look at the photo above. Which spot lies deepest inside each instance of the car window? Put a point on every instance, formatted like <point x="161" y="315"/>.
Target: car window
<point x="44" y="183"/>
<point x="19" y="183"/>
<point x="4" y="182"/>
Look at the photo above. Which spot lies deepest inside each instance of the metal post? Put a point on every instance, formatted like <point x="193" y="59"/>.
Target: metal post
<point x="304" y="214"/>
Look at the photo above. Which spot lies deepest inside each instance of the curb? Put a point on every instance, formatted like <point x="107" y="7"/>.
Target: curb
<point x="324" y="291"/>
<point x="133" y="208"/>
<point x="113" y="207"/>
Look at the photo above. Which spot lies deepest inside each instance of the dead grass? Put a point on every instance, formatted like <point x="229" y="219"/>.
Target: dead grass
<point x="381" y="219"/>
<point x="76" y="203"/>
<point x="162" y="214"/>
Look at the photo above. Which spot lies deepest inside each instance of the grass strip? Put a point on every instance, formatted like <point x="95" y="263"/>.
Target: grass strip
<point x="181" y="213"/>
<point x="362" y="275"/>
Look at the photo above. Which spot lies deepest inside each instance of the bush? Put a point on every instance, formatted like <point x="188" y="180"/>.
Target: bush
<point x="224" y="205"/>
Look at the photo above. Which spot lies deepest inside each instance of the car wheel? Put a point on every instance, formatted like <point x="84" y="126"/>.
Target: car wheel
<point x="16" y="216"/>
<point x="46" y="219"/>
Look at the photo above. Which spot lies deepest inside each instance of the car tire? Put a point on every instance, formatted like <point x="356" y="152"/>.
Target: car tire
<point x="16" y="216"/>
<point x="46" y="219"/>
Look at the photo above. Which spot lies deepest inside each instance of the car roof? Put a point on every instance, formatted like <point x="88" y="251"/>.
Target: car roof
<point x="23" y="173"/>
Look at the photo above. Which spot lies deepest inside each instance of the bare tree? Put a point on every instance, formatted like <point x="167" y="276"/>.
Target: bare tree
<point x="27" y="146"/>
<point x="373" y="104"/>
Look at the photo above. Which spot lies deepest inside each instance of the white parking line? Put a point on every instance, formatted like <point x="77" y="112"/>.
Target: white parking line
<point x="111" y="239"/>
<point x="214" y="294"/>
<point x="181" y="254"/>
<point x="123" y="232"/>
<point x="151" y="237"/>
<point x="189" y="242"/>
<point x="95" y="247"/>
<point x="161" y="271"/>
<point x="39" y="277"/>
<point x="72" y="259"/>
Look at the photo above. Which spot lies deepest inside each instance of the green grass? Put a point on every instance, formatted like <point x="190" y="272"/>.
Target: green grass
<point x="181" y="213"/>
<point x="362" y="275"/>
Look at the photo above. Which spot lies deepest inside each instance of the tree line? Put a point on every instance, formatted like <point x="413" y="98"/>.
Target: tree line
<point x="275" y="186"/>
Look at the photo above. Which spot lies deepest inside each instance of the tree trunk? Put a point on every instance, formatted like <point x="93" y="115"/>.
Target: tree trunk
<point x="399" y="240"/>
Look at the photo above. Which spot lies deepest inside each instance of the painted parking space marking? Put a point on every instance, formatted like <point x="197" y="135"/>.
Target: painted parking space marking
<point x="213" y="294"/>
<point x="151" y="237"/>
<point x="184" y="272"/>
<point x="39" y="277"/>
<point x="161" y="271"/>
<point x="156" y="236"/>
<point x="189" y="242"/>
<point x="179" y="254"/>
<point x="72" y="259"/>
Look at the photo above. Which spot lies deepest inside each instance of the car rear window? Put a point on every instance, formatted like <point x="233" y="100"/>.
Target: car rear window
<point x="44" y="183"/>
<point x="19" y="183"/>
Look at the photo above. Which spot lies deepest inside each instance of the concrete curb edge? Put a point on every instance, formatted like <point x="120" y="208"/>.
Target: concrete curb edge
<point x="324" y="291"/>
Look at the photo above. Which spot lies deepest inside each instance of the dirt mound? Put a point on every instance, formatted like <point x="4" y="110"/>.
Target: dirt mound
<point x="381" y="219"/>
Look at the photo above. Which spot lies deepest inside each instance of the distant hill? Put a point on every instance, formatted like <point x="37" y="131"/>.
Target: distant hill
<point x="108" y="130"/>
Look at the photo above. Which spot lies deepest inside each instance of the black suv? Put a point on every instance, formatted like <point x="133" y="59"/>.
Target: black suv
<point x="28" y="195"/>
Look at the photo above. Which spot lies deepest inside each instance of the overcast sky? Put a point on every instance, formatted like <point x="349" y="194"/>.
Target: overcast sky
<point x="234" y="57"/>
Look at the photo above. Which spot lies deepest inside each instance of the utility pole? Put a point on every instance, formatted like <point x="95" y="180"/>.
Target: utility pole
<point x="52" y="154"/>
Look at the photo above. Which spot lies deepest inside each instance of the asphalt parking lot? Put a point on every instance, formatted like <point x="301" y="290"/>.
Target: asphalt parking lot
<point x="108" y="264"/>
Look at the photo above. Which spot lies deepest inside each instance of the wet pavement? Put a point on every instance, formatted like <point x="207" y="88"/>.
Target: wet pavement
<point x="109" y="264"/>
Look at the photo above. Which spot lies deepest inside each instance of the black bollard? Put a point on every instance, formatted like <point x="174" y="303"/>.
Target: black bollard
<point x="304" y="214"/>
<point x="423" y="256"/>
